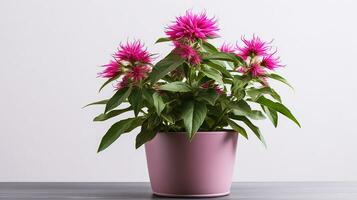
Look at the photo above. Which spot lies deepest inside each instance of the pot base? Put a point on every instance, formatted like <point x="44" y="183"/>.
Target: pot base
<point x="192" y="195"/>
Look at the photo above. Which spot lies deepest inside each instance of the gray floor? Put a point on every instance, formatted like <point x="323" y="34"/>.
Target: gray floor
<point x="138" y="191"/>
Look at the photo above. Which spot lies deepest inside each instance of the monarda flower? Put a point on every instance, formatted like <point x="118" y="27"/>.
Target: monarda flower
<point x="270" y="62"/>
<point x="139" y="73"/>
<point x="111" y="70"/>
<point x="133" y="52"/>
<point x="187" y="52"/>
<point x="218" y="90"/>
<point x="192" y="27"/>
<point x="253" y="47"/>
<point x="123" y="83"/>
<point x="227" y="48"/>
<point x="256" y="70"/>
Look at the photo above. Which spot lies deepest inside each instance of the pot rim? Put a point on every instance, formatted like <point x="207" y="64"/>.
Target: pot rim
<point x="199" y="132"/>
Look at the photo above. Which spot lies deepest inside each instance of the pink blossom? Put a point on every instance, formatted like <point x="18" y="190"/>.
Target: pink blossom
<point x="241" y="70"/>
<point x="253" y="47"/>
<point x="187" y="52"/>
<point x="111" y="70"/>
<point x="256" y="70"/>
<point x="192" y="27"/>
<point x="133" y="52"/>
<point x="227" y="48"/>
<point x="139" y="73"/>
<point x="218" y="90"/>
<point x="205" y="85"/>
<point x="270" y="62"/>
<point x="123" y="83"/>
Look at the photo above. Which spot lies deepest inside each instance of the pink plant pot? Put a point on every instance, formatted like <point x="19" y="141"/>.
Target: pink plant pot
<point x="200" y="168"/>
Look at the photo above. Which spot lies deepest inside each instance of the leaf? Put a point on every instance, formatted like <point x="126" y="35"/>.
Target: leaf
<point x="209" y="95"/>
<point x="176" y="87"/>
<point x="136" y="100"/>
<point x="220" y="68"/>
<point x="193" y="115"/>
<point x="145" y="135"/>
<point x="277" y="107"/>
<point x="118" y="129"/>
<point x="272" y="115"/>
<point x="165" y="39"/>
<point x="113" y="113"/>
<point x="209" y="47"/>
<point x="119" y="97"/>
<point x="158" y="103"/>
<point x="255" y="93"/>
<point x="97" y="103"/>
<point x="279" y="78"/>
<point x="237" y="128"/>
<point x="221" y="56"/>
<point x="212" y="73"/>
<point x="109" y="81"/>
<point x="242" y="108"/>
<point x="252" y="127"/>
<point x="147" y="95"/>
<point x="164" y="66"/>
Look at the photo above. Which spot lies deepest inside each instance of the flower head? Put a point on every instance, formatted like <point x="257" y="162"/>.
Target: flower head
<point x="256" y="70"/>
<point x="138" y="73"/>
<point x="123" y="83"/>
<point x="253" y="47"/>
<point x="187" y="52"/>
<point x="133" y="52"/>
<point x="218" y="90"/>
<point x="192" y="27"/>
<point x="270" y="62"/>
<point x="111" y="70"/>
<point x="227" y="48"/>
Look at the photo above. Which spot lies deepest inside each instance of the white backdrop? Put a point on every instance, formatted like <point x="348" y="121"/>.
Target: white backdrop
<point x="49" y="56"/>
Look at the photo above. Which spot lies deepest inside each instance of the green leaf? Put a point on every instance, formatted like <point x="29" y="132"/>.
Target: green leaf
<point x="255" y="93"/>
<point x="209" y="47"/>
<point x="164" y="66"/>
<point x="193" y="115"/>
<point x="146" y="134"/>
<point x="109" y="81"/>
<point x="166" y="39"/>
<point x="119" y="97"/>
<point x="209" y="95"/>
<point x="136" y="100"/>
<point x="242" y="108"/>
<point x="113" y="113"/>
<point x="272" y="115"/>
<point x="118" y="129"/>
<point x="221" y="56"/>
<point x="176" y="87"/>
<point x="237" y="128"/>
<point x="212" y="73"/>
<point x="220" y="68"/>
<point x="277" y="107"/>
<point x="97" y="103"/>
<point x="158" y="103"/>
<point x="279" y="78"/>
<point x="252" y="127"/>
<point x="147" y="95"/>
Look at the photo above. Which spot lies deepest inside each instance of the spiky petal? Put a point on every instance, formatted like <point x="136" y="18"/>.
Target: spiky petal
<point x="133" y="52"/>
<point x="111" y="70"/>
<point x="139" y="73"/>
<point x="187" y="52"/>
<point x="123" y="83"/>
<point x="192" y="27"/>
<point x="253" y="47"/>
<point x="256" y="70"/>
<point x="227" y="48"/>
<point x="270" y="62"/>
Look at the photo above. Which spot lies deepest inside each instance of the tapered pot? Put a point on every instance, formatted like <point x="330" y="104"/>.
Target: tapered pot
<point x="200" y="168"/>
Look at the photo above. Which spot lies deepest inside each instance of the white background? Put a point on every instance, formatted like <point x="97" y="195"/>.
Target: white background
<point x="49" y="56"/>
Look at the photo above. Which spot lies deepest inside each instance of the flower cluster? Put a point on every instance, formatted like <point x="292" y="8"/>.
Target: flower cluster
<point x="257" y="55"/>
<point x="132" y="62"/>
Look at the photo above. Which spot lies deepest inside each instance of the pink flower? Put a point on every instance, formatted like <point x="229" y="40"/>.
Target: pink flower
<point x="256" y="70"/>
<point x="205" y="85"/>
<point x="139" y="73"/>
<point x="123" y="83"/>
<point x="253" y="47"/>
<point x="112" y="69"/>
<point x="227" y="48"/>
<point x="192" y="27"/>
<point x="187" y="52"/>
<point x="133" y="52"/>
<point x="218" y="90"/>
<point x="270" y="62"/>
<point x="241" y="70"/>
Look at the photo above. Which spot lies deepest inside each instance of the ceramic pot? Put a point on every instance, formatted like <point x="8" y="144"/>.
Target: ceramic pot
<point x="200" y="168"/>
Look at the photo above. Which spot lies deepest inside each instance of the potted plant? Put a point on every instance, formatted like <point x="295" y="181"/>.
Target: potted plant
<point x="192" y="104"/>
